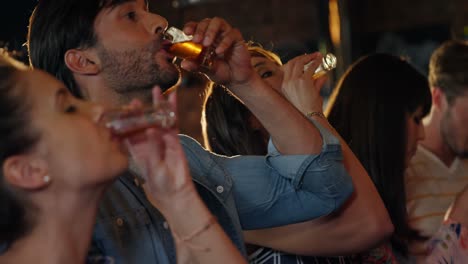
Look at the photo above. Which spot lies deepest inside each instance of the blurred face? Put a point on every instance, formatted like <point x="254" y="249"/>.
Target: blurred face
<point x="77" y="149"/>
<point x="271" y="72"/>
<point x="454" y="126"/>
<point x="129" y="49"/>
<point x="415" y="133"/>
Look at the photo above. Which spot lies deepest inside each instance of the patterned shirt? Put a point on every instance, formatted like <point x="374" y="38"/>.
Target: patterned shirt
<point x="449" y="245"/>
<point x="270" y="256"/>
<point x="380" y="255"/>
<point x="431" y="187"/>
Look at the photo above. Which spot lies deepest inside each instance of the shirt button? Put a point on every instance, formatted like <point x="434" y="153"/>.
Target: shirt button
<point x="136" y="182"/>
<point x="165" y="225"/>
<point x="120" y="221"/>
<point x="220" y="189"/>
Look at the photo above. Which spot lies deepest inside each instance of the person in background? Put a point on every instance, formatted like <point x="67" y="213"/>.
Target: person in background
<point x="58" y="158"/>
<point x="231" y="129"/>
<point x="450" y="242"/>
<point x="380" y="117"/>
<point x="439" y="170"/>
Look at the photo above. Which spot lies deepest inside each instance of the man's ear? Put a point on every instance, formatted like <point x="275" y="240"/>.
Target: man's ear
<point x="26" y="172"/>
<point x="82" y="62"/>
<point x="438" y="98"/>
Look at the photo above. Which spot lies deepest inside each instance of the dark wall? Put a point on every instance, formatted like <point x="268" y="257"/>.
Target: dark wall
<point x="275" y="24"/>
<point x="405" y="27"/>
<point x="14" y="17"/>
<point x="410" y="28"/>
<point x="398" y="26"/>
<point x="296" y="26"/>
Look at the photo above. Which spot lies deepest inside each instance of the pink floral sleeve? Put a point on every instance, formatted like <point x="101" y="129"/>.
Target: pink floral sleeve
<point x="449" y="244"/>
<point x="380" y="255"/>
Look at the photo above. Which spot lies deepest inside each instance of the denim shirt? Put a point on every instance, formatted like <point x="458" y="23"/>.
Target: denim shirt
<point x="243" y="192"/>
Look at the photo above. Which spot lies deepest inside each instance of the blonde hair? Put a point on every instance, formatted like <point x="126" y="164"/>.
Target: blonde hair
<point x="256" y="50"/>
<point x="6" y="60"/>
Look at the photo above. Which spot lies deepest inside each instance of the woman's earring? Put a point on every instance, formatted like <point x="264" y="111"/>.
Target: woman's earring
<point x="46" y="179"/>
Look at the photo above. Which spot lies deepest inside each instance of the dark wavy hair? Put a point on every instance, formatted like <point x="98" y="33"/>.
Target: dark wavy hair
<point x="56" y="26"/>
<point x="368" y="108"/>
<point x="16" y="137"/>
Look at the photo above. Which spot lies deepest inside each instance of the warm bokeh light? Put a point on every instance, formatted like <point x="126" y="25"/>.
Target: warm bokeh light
<point x="334" y="21"/>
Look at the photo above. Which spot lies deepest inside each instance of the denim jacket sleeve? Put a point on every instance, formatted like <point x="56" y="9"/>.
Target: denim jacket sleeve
<point x="284" y="189"/>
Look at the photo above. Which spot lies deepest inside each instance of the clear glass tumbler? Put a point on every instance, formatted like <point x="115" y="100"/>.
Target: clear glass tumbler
<point x="126" y="122"/>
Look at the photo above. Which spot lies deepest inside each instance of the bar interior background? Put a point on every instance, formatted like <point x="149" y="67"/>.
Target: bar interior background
<point x="349" y="29"/>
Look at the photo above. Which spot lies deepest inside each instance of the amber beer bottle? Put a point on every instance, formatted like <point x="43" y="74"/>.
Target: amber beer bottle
<point x="328" y="64"/>
<point x="181" y="46"/>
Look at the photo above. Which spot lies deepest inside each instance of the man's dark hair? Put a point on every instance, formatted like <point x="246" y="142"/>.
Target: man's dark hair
<point x="56" y="26"/>
<point x="448" y="68"/>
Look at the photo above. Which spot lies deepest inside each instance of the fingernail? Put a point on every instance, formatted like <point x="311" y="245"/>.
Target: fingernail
<point x="206" y="40"/>
<point x="197" y="38"/>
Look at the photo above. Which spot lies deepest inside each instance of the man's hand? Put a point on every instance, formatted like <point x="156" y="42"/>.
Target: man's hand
<point x="231" y="65"/>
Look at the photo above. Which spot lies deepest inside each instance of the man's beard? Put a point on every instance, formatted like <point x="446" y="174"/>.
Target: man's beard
<point x="134" y="72"/>
<point x="447" y="131"/>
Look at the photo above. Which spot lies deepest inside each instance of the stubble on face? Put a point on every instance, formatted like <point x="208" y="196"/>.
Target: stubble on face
<point x="133" y="73"/>
<point x="450" y="137"/>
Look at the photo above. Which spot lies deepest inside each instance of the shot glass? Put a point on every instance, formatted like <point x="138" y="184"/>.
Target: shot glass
<point x="126" y="122"/>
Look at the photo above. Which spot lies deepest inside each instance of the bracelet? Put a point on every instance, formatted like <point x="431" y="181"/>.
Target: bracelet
<point x="205" y="227"/>
<point x="316" y="113"/>
<point x="211" y="221"/>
